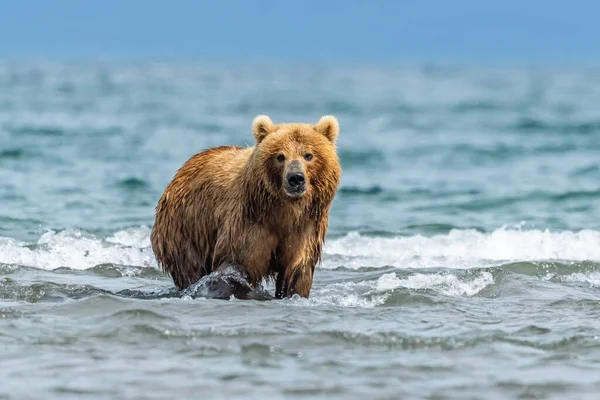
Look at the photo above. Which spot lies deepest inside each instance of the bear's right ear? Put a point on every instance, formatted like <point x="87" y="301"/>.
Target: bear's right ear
<point x="261" y="127"/>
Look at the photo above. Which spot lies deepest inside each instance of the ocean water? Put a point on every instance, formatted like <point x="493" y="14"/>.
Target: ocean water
<point x="462" y="259"/>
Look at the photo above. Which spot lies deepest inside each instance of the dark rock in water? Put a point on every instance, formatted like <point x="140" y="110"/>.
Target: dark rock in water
<point x="224" y="283"/>
<point x="228" y="281"/>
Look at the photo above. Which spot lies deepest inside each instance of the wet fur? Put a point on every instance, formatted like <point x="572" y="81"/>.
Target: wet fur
<point x="226" y="206"/>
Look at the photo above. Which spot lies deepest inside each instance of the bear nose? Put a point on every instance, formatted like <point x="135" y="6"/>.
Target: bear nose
<point x="296" y="179"/>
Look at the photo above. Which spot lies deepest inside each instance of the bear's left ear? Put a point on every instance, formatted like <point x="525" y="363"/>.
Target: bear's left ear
<point x="329" y="126"/>
<point x="261" y="127"/>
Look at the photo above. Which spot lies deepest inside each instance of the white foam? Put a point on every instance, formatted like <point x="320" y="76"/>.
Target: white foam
<point x="461" y="249"/>
<point x="343" y="300"/>
<point x="593" y="278"/>
<point x="347" y="294"/>
<point x="132" y="237"/>
<point x="77" y="250"/>
<point x="457" y="249"/>
<point x="373" y="293"/>
<point x="449" y="285"/>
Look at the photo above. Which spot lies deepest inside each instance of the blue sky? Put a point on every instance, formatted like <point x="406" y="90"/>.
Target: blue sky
<point x="359" y="30"/>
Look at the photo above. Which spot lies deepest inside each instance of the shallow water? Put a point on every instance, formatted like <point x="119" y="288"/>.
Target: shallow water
<point x="462" y="259"/>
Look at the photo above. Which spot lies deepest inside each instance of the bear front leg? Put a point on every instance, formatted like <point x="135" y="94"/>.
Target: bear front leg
<point x="296" y="280"/>
<point x="301" y="282"/>
<point x="295" y="270"/>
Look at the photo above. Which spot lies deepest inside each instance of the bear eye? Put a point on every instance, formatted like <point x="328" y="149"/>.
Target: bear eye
<point x="280" y="157"/>
<point x="308" y="156"/>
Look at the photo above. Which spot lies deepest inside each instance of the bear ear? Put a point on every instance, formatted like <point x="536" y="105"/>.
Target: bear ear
<point x="261" y="127"/>
<point x="329" y="126"/>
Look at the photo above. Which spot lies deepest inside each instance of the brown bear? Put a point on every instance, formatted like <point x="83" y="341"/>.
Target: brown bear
<point x="263" y="208"/>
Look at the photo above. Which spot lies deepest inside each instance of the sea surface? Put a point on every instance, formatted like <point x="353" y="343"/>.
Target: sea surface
<point x="462" y="259"/>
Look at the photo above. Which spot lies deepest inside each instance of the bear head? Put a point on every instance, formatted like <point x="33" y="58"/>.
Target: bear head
<point x="300" y="160"/>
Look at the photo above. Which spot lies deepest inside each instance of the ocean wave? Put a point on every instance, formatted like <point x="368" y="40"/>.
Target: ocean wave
<point x="459" y="249"/>
<point x="449" y="285"/>
<point x="390" y="289"/>
<point x="465" y="248"/>
<point x="591" y="278"/>
<point x="76" y="249"/>
<point x="387" y="290"/>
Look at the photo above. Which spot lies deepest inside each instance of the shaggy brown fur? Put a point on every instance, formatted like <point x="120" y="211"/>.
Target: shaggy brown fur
<point x="228" y="206"/>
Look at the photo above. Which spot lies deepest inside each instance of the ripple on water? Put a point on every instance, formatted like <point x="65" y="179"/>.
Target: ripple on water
<point x="12" y="153"/>
<point x="579" y="127"/>
<point x="132" y="183"/>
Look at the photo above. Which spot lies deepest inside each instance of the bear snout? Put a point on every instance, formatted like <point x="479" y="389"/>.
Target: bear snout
<point x="295" y="180"/>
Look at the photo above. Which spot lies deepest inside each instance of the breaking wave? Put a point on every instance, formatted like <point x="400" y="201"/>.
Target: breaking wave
<point x="463" y="248"/>
<point x="458" y="249"/>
